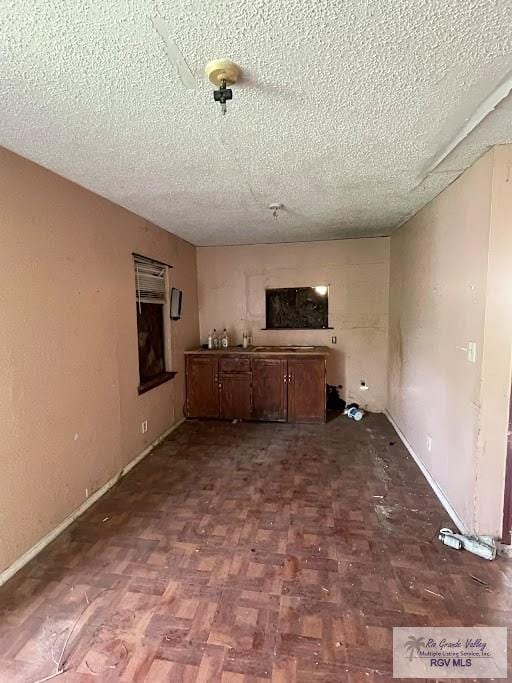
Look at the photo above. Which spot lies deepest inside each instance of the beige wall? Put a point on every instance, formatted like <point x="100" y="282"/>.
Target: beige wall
<point x="448" y="288"/>
<point x="232" y="282"/>
<point x="70" y="413"/>
<point x="497" y="350"/>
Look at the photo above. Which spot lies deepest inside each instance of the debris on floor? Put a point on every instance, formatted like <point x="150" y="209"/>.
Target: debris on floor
<point x="290" y="568"/>
<point x="438" y="595"/>
<point x="60" y="662"/>
<point x="354" y="412"/>
<point x="482" y="546"/>
<point x="384" y="513"/>
<point x="106" y="656"/>
<point x="481" y="582"/>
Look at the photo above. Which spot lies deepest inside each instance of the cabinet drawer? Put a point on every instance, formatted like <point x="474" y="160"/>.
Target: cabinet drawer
<point x="234" y="365"/>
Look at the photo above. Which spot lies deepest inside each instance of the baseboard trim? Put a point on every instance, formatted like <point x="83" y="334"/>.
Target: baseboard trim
<point x="432" y="482"/>
<point x="52" y="535"/>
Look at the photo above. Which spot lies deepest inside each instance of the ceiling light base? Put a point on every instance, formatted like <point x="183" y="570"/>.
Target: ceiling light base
<point x="275" y="207"/>
<point x="222" y="70"/>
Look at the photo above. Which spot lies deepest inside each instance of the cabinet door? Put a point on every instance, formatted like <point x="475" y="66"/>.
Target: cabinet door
<point x="269" y="383"/>
<point x="202" y="386"/>
<point x="306" y="390"/>
<point x="235" y="396"/>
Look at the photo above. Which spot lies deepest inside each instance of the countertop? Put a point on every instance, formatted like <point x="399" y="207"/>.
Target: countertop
<point x="269" y="351"/>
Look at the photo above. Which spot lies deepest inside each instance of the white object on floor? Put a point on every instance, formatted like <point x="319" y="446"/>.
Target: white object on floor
<point x="354" y="413"/>
<point x="482" y="546"/>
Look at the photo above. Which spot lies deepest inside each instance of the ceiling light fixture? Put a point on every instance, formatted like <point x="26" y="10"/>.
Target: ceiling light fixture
<point x="275" y="208"/>
<point x="222" y="73"/>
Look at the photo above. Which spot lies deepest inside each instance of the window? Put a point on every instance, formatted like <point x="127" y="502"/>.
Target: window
<point x="152" y="322"/>
<point x="298" y="308"/>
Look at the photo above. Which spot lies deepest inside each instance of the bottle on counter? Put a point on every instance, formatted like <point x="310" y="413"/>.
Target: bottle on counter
<point x="245" y="340"/>
<point x="225" y="340"/>
<point x="215" y="339"/>
<point x="210" y="341"/>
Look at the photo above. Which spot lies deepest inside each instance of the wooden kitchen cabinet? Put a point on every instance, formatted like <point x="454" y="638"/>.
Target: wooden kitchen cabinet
<point x="306" y="390"/>
<point x="272" y="387"/>
<point x="269" y="384"/>
<point x="235" y="396"/>
<point x="202" y="377"/>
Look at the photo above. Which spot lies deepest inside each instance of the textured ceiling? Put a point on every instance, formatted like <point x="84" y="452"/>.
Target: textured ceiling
<point x="343" y="106"/>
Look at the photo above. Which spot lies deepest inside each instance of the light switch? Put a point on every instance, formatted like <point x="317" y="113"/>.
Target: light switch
<point x="472" y="352"/>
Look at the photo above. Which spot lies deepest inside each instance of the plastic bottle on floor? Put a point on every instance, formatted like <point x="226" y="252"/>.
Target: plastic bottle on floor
<point x="354" y="412"/>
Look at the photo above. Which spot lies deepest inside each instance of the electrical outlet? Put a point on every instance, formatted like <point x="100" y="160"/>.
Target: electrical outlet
<point x="472" y="352"/>
<point x="144" y="426"/>
<point x="429" y="443"/>
<point x="333" y="339"/>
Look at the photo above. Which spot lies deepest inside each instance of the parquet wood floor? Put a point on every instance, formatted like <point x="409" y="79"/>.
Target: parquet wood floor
<point x="248" y="553"/>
